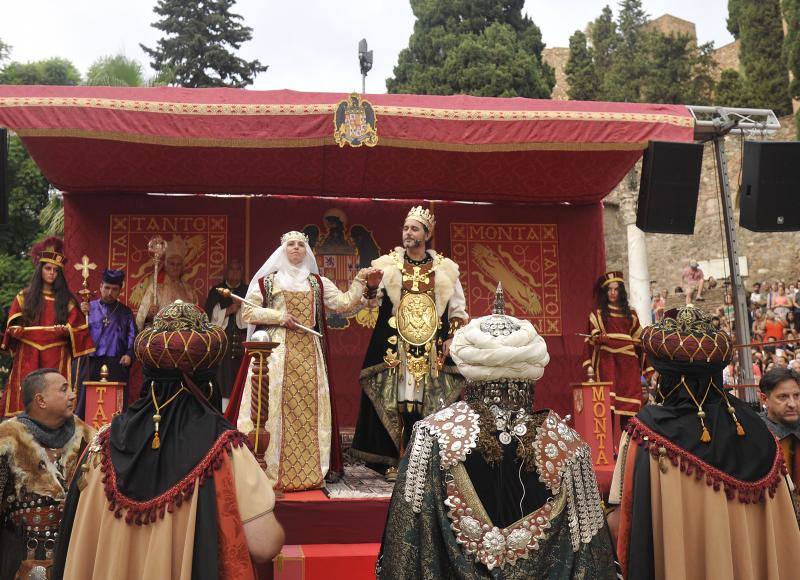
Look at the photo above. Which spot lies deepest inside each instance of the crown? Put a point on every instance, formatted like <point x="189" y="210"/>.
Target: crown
<point x="294" y="237"/>
<point x="423" y="216"/>
<point x="50" y="251"/>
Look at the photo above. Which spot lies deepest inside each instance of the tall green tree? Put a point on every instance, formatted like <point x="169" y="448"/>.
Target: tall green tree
<point x="580" y="68"/>
<point x="199" y="44"/>
<point x="604" y="40"/>
<point x="475" y="47"/>
<point x="734" y="17"/>
<point x="676" y="70"/>
<point x="760" y="29"/>
<point x="51" y="71"/>
<point x="623" y="80"/>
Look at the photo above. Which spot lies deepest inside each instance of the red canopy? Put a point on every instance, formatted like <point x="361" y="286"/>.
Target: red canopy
<point x="270" y="142"/>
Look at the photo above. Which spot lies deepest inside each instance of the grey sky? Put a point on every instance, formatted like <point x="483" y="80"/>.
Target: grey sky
<point x="310" y="45"/>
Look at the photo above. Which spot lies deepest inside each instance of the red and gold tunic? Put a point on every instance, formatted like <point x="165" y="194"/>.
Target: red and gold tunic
<point x="41" y="345"/>
<point x="618" y="360"/>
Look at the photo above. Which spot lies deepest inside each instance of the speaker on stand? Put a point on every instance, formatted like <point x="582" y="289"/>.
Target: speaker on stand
<point x="669" y="187"/>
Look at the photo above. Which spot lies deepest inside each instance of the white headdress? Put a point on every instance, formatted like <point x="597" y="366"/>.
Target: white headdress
<point x="287" y="276"/>
<point x="499" y="347"/>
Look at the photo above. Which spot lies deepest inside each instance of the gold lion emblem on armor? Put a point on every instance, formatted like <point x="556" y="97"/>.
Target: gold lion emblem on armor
<point x="417" y="323"/>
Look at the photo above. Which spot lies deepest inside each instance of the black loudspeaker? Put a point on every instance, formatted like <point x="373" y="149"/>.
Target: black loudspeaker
<point x="669" y="187"/>
<point x="769" y="198"/>
<point x="4" y="179"/>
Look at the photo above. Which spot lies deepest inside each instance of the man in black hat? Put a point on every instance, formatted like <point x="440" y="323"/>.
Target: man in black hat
<point x="113" y="330"/>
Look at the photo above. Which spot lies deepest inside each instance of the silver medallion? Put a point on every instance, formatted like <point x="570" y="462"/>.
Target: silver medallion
<point x="505" y="438"/>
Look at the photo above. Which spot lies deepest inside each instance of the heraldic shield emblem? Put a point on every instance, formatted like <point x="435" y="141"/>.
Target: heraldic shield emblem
<point x="355" y="123"/>
<point x="341" y="252"/>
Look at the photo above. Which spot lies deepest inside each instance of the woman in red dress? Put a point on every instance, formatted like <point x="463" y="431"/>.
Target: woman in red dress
<point x="45" y="327"/>
<point x="613" y="349"/>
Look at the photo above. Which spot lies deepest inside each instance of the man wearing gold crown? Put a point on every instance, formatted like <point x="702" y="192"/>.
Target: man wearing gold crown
<point x="45" y="327"/>
<point x="407" y="373"/>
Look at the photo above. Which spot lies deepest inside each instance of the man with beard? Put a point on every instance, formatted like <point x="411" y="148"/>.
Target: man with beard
<point x="113" y="331"/>
<point x="407" y="373"/>
<point x="39" y="450"/>
<point x="225" y="312"/>
<point x="780" y="395"/>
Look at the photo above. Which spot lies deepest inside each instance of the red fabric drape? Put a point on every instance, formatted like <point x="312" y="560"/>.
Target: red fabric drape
<point x="574" y="233"/>
<point x="445" y="147"/>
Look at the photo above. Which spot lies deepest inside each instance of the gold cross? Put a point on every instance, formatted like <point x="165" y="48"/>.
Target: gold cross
<point x="85" y="266"/>
<point x="416" y="278"/>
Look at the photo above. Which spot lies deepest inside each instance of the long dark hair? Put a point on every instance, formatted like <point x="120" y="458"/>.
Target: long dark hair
<point x="34" y="297"/>
<point x="622" y="302"/>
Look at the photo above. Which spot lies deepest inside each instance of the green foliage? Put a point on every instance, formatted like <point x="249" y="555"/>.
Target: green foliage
<point x="791" y="44"/>
<point x="604" y="38"/>
<point x="199" y="42"/>
<point x="52" y="217"/>
<point x="475" y="47"/>
<point x="631" y="63"/>
<point x="580" y="69"/>
<point x="52" y="71"/>
<point x="29" y="193"/>
<point x="623" y="80"/>
<point x="734" y="17"/>
<point x="763" y="64"/>
<point x="731" y="90"/>
<point x="677" y="71"/>
<point x="115" y="71"/>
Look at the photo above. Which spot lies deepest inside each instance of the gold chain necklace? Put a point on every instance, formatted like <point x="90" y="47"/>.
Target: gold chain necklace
<point x="705" y="437"/>
<point x="157" y="417"/>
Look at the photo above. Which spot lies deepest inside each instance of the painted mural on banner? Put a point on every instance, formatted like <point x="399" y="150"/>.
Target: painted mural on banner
<point x="201" y="239"/>
<point x="341" y="251"/>
<point x="524" y="257"/>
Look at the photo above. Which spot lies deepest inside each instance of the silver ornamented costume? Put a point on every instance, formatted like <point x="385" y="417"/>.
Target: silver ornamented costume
<point x="470" y="503"/>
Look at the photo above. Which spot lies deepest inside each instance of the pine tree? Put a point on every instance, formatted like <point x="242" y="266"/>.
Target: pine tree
<point x="622" y="82"/>
<point x="604" y="40"/>
<point x="580" y="69"/>
<point x="474" y="47"/>
<point x="676" y="70"/>
<point x="761" y="36"/>
<point x="734" y="15"/>
<point x="200" y="39"/>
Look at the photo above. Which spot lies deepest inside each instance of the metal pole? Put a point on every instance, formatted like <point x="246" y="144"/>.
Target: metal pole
<point x="737" y="286"/>
<point x="363" y="84"/>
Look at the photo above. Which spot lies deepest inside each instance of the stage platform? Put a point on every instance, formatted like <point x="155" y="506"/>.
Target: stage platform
<point x="333" y="532"/>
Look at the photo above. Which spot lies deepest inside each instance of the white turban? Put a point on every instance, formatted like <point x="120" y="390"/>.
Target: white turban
<point x="479" y="356"/>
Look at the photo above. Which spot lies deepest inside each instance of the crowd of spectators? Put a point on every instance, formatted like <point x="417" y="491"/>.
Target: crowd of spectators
<point x="773" y="310"/>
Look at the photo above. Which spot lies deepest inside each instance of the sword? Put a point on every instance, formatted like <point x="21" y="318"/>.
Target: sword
<point x="228" y="294"/>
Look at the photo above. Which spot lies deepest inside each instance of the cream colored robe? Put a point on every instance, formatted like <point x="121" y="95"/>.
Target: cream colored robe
<point x="335" y="301"/>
